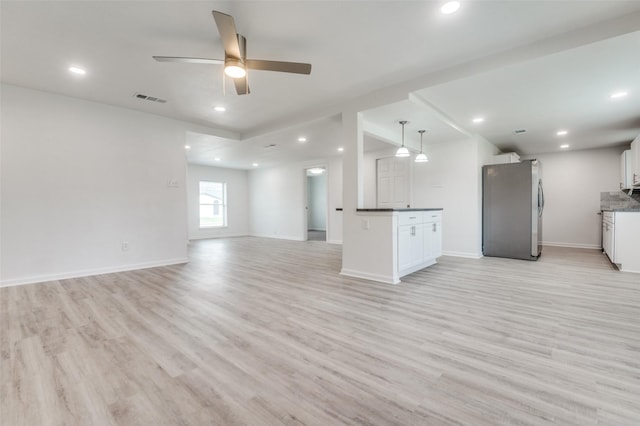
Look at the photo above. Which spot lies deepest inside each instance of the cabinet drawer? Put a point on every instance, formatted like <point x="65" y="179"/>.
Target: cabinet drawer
<point x="434" y="216"/>
<point x="409" y="218"/>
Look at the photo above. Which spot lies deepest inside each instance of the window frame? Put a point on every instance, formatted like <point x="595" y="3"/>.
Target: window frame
<point x="222" y="204"/>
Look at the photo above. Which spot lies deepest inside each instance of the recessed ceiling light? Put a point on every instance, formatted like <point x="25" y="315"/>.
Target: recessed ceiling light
<point x="78" y="71"/>
<point x="341" y="149"/>
<point x="220" y="109"/>
<point x="217" y="158"/>
<point x="450" y="7"/>
<point x="561" y="132"/>
<point x="478" y="120"/>
<point x="302" y="139"/>
<point x="255" y="164"/>
<point x="564" y="146"/>
<point x="187" y="147"/>
<point x="618" y="95"/>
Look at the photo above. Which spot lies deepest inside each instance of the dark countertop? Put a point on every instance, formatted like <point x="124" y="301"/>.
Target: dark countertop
<point x="399" y="210"/>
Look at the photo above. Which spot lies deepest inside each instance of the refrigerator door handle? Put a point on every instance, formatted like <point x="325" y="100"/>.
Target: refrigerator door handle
<point x="540" y="198"/>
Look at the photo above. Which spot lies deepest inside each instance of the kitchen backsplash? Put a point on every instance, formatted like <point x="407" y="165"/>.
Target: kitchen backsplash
<point x="619" y="200"/>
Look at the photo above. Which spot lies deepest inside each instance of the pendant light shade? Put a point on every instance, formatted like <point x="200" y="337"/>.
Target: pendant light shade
<point x="402" y="151"/>
<point x="422" y="157"/>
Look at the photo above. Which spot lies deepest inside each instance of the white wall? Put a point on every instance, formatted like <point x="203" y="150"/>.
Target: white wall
<point x="317" y="202"/>
<point x="237" y="201"/>
<point x="277" y="200"/>
<point x="573" y="181"/>
<point x="78" y="179"/>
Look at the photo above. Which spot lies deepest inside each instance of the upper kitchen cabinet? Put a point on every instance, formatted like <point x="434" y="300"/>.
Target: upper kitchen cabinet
<point x="626" y="173"/>
<point x="635" y="161"/>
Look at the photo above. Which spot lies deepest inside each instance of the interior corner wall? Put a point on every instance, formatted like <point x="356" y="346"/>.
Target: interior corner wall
<point x="450" y="180"/>
<point x="334" y="200"/>
<point x="237" y="201"/>
<point x="370" y="175"/>
<point x="78" y="179"/>
<point x="277" y="202"/>
<point x="572" y="182"/>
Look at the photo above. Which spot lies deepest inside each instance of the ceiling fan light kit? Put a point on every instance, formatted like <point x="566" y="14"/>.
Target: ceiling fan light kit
<point x="234" y="68"/>
<point x="236" y="64"/>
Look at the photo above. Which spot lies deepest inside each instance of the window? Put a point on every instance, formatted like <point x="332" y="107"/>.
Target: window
<point x="213" y="204"/>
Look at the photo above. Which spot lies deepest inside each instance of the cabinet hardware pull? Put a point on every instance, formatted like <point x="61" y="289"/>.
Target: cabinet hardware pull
<point x="412" y="217"/>
<point x="434" y="227"/>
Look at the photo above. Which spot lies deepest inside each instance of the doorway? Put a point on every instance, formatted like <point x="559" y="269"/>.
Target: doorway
<point x="316" y="178"/>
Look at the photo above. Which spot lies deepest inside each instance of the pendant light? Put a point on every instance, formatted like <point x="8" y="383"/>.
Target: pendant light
<point x="421" y="158"/>
<point x="402" y="151"/>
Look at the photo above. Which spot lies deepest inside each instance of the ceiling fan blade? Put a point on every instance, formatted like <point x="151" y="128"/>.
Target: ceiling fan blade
<point x="228" y="34"/>
<point x="242" y="85"/>
<point x="293" y="67"/>
<point x="188" y="60"/>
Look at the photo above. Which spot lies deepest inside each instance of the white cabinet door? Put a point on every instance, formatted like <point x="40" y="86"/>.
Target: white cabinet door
<point x="625" y="242"/>
<point x="410" y="249"/>
<point x="436" y="239"/>
<point x="432" y="240"/>
<point x="607" y="240"/>
<point x="626" y="170"/>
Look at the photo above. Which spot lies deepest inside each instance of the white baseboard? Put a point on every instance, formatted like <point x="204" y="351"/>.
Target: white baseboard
<point x="334" y="242"/>
<point x="210" y="237"/>
<point x="89" y="272"/>
<point x="387" y="279"/>
<point x="571" y="245"/>
<point x="277" y="237"/>
<point x="462" y="254"/>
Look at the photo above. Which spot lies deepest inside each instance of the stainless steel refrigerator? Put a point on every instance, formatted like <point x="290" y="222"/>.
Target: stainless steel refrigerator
<point x="512" y="206"/>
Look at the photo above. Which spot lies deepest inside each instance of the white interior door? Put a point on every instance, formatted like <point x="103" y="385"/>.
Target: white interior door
<point x="393" y="184"/>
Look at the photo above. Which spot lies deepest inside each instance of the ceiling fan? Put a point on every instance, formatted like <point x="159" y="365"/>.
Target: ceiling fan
<point x="235" y="61"/>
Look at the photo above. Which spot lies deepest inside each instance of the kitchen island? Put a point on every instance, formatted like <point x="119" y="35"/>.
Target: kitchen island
<point x="399" y="241"/>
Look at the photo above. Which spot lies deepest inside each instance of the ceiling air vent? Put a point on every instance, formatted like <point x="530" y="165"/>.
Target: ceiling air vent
<point x="149" y="98"/>
<point x="519" y="131"/>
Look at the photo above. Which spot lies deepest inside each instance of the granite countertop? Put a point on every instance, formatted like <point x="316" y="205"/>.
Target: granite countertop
<point x="619" y="202"/>
<point x="400" y="210"/>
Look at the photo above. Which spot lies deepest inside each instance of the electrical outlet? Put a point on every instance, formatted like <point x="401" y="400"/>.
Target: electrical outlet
<point x="125" y="246"/>
<point x="172" y="183"/>
<point x="365" y="224"/>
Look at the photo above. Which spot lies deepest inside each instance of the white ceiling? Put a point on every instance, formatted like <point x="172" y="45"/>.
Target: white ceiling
<point x="356" y="47"/>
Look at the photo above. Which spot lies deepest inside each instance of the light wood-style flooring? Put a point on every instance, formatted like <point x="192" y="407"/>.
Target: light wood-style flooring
<point x="266" y="332"/>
